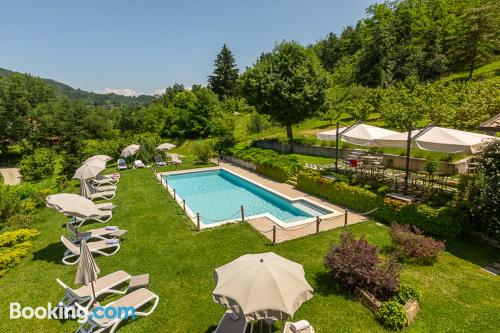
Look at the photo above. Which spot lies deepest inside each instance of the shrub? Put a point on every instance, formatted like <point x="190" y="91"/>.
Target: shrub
<point x="18" y="221"/>
<point x="10" y="202"/>
<point x="431" y="166"/>
<point x="203" y="150"/>
<point x="487" y="201"/>
<point x="39" y="165"/>
<point x="407" y="292"/>
<point x="354" y="263"/>
<point x="392" y="315"/>
<point x="257" y="123"/>
<point x="11" y="238"/>
<point x="410" y="243"/>
<point x="12" y="256"/>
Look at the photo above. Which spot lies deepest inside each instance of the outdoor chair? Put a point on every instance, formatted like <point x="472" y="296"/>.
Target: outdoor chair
<point x="231" y="323"/>
<point x="159" y="161"/>
<point x="135" y="300"/>
<point x="121" y="164"/>
<point x="107" y="284"/>
<point x="99" y="247"/>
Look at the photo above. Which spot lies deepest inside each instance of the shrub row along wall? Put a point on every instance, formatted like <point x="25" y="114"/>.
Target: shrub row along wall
<point x="267" y="162"/>
<point x="444" y="221"/>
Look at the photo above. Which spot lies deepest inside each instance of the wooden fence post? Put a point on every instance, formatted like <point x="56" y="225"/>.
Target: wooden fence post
<point x="242" y="214"/>
<point x="345" y="218"/>
<point x="198" y="221"/>
<point x="175" y="197"/>
<point x="184" y="205"/>
<point x="318" y="221"/>
<point x="274" y="235"/>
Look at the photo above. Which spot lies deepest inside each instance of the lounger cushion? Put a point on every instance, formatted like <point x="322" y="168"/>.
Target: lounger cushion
<point x="107" y="281"/>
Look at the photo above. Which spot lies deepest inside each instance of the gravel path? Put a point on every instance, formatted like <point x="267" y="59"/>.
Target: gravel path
<point x="11" y="176"/>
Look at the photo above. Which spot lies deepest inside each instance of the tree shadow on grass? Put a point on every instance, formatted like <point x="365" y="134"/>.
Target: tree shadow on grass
<point x="51" y="253"/>
<point x="326" y="286"/>
<point x="472" y="252"/>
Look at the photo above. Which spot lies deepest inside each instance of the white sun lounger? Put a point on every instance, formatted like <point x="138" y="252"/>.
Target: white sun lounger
<point x="175" y="159"/>
<point x="135" y="299"/>
<point x="138" y="164"/>
<point x="102" y="188"/>
<point x="107" y="284"/>
<point x="99" y="247"/>
<point x="97" y="183"/>
<point x="105" y="206"/>
<point x="307" y="329"/>
<point x="99" y="233"/>
<point x="107" y="195"/>
<point x="231" y="323"/>
<point x="105" y="216"/>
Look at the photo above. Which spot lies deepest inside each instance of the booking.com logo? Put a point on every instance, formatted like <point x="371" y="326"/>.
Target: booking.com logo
<point x="60" y="312"/>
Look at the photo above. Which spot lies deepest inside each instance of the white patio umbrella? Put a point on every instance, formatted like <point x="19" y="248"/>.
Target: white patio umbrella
<point x="130" y="150"/>
<point x="260" y="286"/>
<point x="88" y="270"/>
<point x="445" y="140"/>
<point x="72" y="205"/>
<point x="358" y="134"/>
<point x="89" y="169"/>
<point x="165" y="146"/>
<point x="104" y="158"/>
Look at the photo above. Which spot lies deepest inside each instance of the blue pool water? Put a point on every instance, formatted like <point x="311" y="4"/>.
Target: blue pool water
<point x="217" y="195"/>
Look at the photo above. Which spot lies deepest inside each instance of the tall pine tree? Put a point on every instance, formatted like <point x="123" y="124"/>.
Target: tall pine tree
<point x="223" y="80"/>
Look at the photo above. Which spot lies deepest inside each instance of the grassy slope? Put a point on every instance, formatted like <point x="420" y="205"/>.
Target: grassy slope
<point x="458" y="296"/>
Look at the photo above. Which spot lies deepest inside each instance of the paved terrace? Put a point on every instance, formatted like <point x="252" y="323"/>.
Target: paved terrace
<point x="265" y="225"/>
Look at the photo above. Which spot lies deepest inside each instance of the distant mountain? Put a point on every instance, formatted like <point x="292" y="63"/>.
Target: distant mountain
<point x="88" y="97"/>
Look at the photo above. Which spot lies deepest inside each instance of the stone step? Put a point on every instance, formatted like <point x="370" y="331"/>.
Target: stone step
<point x="291" y="182"/>
<point x="496" y="265"/>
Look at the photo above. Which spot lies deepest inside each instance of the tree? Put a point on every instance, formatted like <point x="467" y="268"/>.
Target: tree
<point x="224" y="78"/>
<point x="477" y="35"/>
<point x="288" y="84"/>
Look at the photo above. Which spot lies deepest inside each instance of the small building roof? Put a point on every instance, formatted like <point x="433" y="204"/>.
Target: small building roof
<point x="491" y="125"/>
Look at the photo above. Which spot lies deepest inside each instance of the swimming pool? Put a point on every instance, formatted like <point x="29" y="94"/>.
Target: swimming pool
<point x="217" y="196"/>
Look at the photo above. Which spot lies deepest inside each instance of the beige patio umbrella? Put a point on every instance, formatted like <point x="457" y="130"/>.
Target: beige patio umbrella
<point x="87" y="268"/>
<point x="130" y="150"/>
<point x="260" y="286"/>
<point x="89" y="169"/>
<point x="72" y="205"/>
<point x="104" y="158"/>
<point x="165" y="146"/>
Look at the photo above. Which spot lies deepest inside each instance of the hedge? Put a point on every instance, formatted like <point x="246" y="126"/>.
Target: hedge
<point x="443" y="221"/>
<point x="268" y="162"/>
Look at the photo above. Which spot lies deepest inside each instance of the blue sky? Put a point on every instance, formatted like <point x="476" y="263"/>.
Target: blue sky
<point x="148" y="45"/>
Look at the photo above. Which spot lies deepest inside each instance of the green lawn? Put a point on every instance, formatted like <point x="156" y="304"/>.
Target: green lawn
<point x="458" y="296"/>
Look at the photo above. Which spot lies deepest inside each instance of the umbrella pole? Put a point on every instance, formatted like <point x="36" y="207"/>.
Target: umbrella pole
<point x="93" y="294"/>
<point x="337" y="149"/>
<point x="407" y="166"/>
